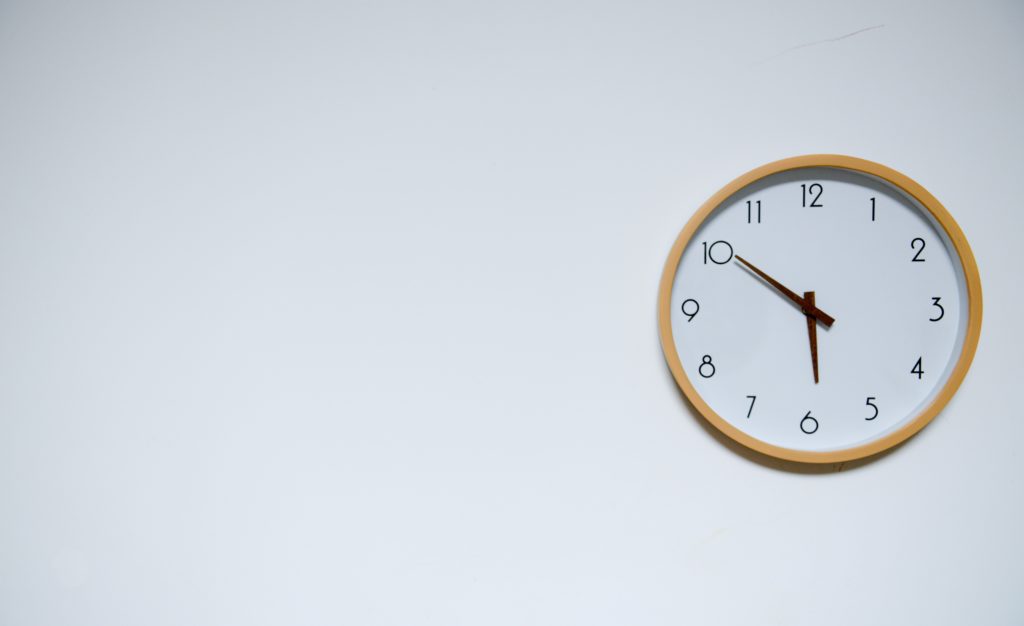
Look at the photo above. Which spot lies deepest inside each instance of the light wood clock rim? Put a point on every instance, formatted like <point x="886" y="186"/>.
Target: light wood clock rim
<point x="893" y="177"/>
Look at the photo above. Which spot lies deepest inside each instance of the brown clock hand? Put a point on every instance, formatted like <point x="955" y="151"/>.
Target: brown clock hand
<point x="812" y="333"/>
<point x="808" y="308"/>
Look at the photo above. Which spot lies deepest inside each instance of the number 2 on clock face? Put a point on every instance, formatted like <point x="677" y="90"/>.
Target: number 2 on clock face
<point x="811" y="312"/>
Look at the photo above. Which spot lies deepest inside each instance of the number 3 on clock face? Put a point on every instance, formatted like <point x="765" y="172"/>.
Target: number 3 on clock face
<point x="820" y="309"/>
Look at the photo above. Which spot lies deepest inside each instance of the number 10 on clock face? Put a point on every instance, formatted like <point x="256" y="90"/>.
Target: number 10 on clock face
<point x="819" y="309"/>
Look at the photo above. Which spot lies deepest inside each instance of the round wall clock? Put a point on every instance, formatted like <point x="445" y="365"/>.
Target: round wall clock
<point x="820" y="309"/>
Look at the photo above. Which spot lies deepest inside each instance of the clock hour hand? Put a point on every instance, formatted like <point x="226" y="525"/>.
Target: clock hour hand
<point x="812" y="334"/>
<point x="807" y="307"/>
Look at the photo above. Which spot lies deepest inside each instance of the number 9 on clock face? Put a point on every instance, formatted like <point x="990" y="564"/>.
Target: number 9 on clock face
<point x="820" y="308"/>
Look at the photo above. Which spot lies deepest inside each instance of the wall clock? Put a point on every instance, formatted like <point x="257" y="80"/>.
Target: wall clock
<point x="820" y="309"/>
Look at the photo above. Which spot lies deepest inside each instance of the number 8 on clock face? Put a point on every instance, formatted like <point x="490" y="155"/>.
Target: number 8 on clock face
<point x="820" y="308"/>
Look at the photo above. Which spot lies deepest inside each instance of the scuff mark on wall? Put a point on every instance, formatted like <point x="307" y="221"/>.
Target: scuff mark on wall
<point x="824" y="41"/>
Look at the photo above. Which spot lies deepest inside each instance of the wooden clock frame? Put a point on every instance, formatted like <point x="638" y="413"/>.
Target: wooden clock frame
<point x="912" y="426"/>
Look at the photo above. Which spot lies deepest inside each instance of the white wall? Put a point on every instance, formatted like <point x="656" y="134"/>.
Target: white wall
<point x="344" y="312"/>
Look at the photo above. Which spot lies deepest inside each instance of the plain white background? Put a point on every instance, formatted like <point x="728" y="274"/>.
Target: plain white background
<point x="344" y="313"/>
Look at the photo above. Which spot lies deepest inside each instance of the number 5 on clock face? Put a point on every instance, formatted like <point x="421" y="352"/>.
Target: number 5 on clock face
<point x="821" y="308"/>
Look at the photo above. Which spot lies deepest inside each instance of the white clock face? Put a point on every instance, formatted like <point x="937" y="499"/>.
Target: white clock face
<point x="878" y="264"/>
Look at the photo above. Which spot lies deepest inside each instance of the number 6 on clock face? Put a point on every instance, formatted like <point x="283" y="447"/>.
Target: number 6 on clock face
<point x="822" y="280"/>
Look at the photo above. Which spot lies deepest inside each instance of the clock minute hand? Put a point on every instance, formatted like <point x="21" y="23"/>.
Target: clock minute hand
<point x="807" y="307"/>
